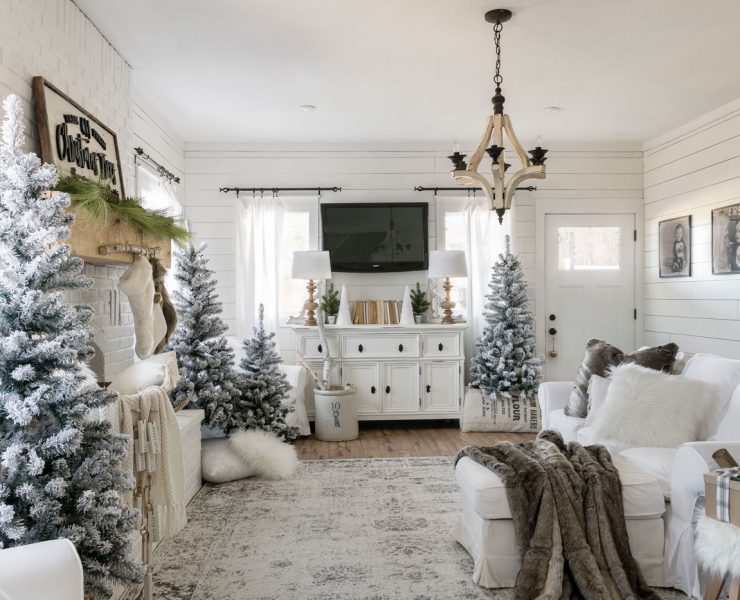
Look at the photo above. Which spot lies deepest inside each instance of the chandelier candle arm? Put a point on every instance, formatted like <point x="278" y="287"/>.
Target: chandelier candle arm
<point x="500" y="192"/>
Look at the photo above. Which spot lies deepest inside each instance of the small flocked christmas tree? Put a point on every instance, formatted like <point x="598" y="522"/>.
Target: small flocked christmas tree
<point x="60" y="469"/>
<point x="506" y="361"/>
<point x="264" y="386"/>
<point x="207" y="363"/>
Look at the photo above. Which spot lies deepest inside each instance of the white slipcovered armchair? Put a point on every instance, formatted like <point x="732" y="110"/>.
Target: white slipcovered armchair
<point x="680" y="471"/>
<point x="49" y="570"/>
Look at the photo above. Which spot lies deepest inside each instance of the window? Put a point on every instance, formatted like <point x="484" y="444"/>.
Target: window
<point x="158" y="194"/>
<point x="299" y="232"/>
<point x="589" y="248"/>
<point x="455" y="238"/>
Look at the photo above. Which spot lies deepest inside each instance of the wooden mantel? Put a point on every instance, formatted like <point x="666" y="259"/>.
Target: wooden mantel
<point x="87" y="236"/>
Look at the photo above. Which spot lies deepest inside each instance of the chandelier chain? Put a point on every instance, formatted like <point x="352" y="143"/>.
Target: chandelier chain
<point x="497" y="79"/>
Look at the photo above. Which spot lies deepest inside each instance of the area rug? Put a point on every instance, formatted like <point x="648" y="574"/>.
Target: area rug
<point x="366" y="529"/>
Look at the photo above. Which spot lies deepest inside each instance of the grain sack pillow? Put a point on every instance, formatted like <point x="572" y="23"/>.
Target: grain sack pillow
<point x="499" y="412"/>
<point x="597" y="360"/>
<point x="648" y="408"/>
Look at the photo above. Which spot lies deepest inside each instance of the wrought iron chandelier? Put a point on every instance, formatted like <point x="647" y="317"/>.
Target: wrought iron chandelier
<point x="500" y="193"/>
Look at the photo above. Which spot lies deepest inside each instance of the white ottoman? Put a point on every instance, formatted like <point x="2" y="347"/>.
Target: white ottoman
<point x="486" y="530"/>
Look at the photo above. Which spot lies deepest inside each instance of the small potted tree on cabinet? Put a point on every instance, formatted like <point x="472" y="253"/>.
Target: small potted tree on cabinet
<point x="330" y="304"/>
<point x="419" y="303"/>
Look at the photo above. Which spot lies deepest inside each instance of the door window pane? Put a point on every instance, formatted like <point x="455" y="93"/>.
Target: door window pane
<point x="589" y="248"/>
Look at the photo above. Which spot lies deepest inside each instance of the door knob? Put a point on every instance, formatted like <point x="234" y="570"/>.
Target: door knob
<point x="441" y="347"/>
<point x="387" y="389"/>
<point x="360" y="348"/>
<point x="372" y="390"/>
<point x="320" y="348"/>
<point x="400" y="347"/>
<point x="552" y="331"/>
<point x="551" y="317"/>
<point x="429" y="389"/>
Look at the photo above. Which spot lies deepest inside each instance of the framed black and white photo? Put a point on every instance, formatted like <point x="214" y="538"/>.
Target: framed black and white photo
<point x="674" y="247"/>
<point x="726" y="239"/>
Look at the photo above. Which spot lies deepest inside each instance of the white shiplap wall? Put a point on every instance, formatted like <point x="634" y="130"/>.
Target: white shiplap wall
<point x="692" y="170"/>
<point x="378" y="173"/>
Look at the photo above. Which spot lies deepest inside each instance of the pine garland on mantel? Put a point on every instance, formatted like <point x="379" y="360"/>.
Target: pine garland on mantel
<point x="103" y="204"/>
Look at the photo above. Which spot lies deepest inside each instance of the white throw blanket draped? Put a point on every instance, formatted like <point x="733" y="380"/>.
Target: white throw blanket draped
<point x="156" y="450"/>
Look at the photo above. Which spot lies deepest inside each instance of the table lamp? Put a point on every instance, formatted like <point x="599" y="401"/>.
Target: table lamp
<point x="447" y="263"/>
<point x="311" y="265"/>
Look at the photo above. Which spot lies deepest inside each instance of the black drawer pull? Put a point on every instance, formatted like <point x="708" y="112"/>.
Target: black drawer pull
<point x="360" y="348"/>
<point x="429" y="389"/>
<point x="387" y="389"/>
<point x="441" y="347"/>
<point x="400" y="347"/>
<point x="320" y="348"/>
<point x="372" y="390"/>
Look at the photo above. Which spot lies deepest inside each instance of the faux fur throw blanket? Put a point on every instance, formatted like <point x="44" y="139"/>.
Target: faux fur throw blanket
<point x="566" y="503"/>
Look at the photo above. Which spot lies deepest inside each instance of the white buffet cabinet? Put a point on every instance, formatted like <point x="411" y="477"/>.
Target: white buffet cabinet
<point x="400" y="372"/>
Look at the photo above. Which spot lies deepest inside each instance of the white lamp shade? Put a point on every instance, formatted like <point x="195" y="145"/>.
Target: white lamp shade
<point x="447" y="263"/>
<point x="308" y="264"/>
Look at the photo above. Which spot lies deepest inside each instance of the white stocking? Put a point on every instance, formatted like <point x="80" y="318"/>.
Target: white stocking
<point x="138" y="286"/>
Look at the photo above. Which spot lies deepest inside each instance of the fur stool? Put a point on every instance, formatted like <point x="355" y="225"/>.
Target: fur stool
<point x="486" y="530"/>
<point x="718" y="553"/>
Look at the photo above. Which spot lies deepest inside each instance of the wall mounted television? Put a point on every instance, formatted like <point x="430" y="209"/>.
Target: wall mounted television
<point x="376" y="237"/>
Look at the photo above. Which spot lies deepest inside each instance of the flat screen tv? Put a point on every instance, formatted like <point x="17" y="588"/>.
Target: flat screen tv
<point x="368" y="238"/>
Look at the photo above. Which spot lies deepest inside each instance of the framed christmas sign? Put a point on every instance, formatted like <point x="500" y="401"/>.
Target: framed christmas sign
<point x="74" y="140"/>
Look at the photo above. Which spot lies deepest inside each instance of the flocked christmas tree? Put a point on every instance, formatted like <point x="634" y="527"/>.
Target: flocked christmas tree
<point x="60" y="474"/>
<point x="264" y="386"/>
<point x="505" y="361"/>
<point x="207" y="363"/>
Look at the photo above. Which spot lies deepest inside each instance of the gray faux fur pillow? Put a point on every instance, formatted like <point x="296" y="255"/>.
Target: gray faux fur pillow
<point x="660" y="358"/>
<point x="597" y="360"/>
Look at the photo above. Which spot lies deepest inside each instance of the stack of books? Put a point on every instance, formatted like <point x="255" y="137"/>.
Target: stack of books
<point x="376" y="312"/>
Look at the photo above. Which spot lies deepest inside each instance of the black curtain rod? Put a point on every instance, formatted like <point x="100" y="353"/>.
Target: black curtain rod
<point x="160" y="169"/>
<point x="420" y="188"/>
<point x="277" y="190"/>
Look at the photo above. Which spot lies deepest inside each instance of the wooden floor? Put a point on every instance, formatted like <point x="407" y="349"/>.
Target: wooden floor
<point x="402" y="438"/>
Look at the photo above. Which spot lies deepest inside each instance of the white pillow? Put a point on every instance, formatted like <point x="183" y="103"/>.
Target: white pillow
<point x="219" y="463"/>
<point x="245" y="454"/>
<point x="717" y="370"/>
<point x="137" y="377"/>
<point x="645" y="407"/>
<point x="597" y="389"/>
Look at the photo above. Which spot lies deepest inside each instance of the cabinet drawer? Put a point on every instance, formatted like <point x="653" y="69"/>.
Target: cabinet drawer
<point x="380" y="346"/>
<point x="310" y="346"/>
<point x="440" y="344"/>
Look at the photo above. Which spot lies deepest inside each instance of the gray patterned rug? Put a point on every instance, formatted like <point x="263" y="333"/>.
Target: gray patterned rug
<point x="340" y="530"/>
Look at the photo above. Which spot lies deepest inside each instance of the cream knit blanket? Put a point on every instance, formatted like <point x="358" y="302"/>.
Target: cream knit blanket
<point x="156" y="451"/>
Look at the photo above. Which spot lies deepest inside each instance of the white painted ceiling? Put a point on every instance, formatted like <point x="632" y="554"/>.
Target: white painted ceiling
<point x="420" y="70"/>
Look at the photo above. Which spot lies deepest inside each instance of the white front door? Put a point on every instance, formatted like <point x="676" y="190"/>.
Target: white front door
<point x="590" y="287"/>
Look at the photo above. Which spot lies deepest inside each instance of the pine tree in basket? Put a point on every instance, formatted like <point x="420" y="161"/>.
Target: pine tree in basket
<point x="207" y="364"/>
<point x="506" y="361"/>
<point x="264" y="386"/>
<point x="60" y="468"/>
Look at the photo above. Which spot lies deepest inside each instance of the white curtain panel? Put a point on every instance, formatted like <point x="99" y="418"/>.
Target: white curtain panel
<point x="485" y="241"/>
<point x="258" y="252"/>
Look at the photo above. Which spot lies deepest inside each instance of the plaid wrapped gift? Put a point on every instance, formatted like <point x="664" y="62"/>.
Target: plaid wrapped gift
<point x="723" y="492"/>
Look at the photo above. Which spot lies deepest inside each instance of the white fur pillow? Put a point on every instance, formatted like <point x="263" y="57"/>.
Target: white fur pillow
<point x="247" y="454"/>
<point x="645" y="407"/>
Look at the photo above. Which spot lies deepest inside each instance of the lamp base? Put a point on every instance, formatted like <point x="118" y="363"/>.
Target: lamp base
<point x="310" y="305"/>
<point x="447" y="304"/>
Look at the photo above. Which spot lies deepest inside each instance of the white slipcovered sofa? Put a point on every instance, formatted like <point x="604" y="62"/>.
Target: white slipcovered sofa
<point x="680" y="471"/>
<point x="47" y="570"/>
